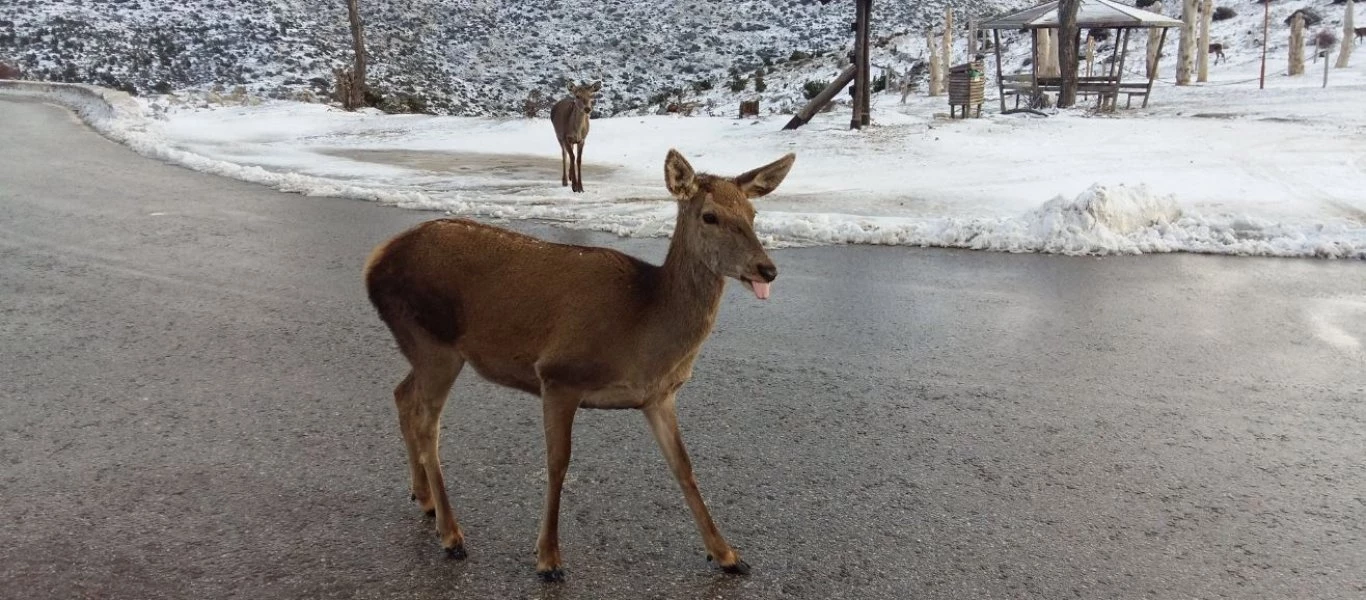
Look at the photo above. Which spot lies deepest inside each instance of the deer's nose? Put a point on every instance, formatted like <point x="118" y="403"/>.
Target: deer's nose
<point x="768" y="271"/>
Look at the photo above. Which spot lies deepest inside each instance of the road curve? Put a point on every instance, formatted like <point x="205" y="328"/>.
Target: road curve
<point x="195" y="403"/>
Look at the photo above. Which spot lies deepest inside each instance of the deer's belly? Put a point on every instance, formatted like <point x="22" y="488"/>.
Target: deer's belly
<point x="616" y="397"/>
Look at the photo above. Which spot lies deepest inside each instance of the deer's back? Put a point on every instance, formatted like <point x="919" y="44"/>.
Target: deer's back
<point x="506" y="300"/>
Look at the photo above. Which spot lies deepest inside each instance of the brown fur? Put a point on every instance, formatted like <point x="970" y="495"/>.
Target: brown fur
<point x="8" y="72"/>
<point x="570" y="117"/>
<point x="1218" y="51"/>
<point x="578" y="326"/>
<point x="1360" y="33"/>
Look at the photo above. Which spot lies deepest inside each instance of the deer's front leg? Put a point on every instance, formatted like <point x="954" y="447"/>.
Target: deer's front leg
<point x="664" y="425"/>
<point x="559" y="407"/>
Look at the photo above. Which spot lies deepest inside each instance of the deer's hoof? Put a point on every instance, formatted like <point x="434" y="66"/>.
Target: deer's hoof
<point x="555" y="575"/>
<point x="739" y="568"/>
<point x="457" y="552"/>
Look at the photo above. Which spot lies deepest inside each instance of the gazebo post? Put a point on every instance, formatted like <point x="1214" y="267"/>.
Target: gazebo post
<point x="1034" y="67"/>
<point x="1000" y="79"/>
<point x="1161" y="44"/>
<point x="1124" y="51"/>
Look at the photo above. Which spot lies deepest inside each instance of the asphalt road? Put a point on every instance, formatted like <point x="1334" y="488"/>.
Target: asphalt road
<point x="195" y="403"/>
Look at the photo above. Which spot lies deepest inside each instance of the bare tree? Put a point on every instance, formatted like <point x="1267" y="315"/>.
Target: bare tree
<point x="1297" y="45"/>
<point x="1068" y="37"/>
<point x="946" y="58"/>
<point x="1185" y="54"/>
<point x="936" y="78"/>
<point x="1202" y="49"/>
<point x="1348" y="31"/>
<point x="351" y="83"/>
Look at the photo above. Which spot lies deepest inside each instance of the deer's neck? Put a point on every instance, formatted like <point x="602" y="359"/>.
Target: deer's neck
<point x="689" y="292"/>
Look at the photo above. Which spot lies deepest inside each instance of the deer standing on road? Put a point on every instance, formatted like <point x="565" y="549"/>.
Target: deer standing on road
<point x="581" y="327"/>
<point x="570" y="118"/>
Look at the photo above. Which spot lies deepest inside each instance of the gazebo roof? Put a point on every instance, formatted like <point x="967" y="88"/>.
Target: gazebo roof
<point x="1092" y="14"/>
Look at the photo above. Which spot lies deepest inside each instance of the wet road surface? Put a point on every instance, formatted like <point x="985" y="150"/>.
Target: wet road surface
<point x="195" y="403"/>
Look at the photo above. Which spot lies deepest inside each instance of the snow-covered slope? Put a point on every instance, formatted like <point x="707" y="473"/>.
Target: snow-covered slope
<point x="456" y="56"/>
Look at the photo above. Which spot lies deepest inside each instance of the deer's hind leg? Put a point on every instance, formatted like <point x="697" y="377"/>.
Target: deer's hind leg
<point x="420" y="399"/>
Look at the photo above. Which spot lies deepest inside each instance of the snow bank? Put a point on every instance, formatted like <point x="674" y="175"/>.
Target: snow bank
<point x="907" y="186"/>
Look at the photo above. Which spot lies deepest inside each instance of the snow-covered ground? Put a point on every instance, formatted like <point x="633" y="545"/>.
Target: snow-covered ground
<point x="1219" y="168"/>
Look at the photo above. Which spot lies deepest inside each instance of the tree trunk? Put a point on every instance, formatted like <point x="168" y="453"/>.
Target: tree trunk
<point x="1297" y="46"/>
<point x="823" y="98"/>
<point x="936" y="78"/>
<point x="1206" y="15"/>
<point x="1185" y="53"/>
<point x="1068" y="36"/>
<point x="1348" y="33"/>
<point x="860" y="57"/>
<point x="866" y="92"/>
<point x="356" y="97"/>
<point x="1154" y="43"/>
<point x="946" y="53"/>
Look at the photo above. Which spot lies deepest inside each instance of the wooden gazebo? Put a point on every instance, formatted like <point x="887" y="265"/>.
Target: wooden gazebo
<point x="1091" y="15"/>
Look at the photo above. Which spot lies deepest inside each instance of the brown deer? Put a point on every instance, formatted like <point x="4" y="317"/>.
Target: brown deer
<point x="570" y="118"/>
<point x="581" y="327"/>
<point x="1218" y="51"/>
<point x="8" y="72"/>
<point x="1360" y="33"/>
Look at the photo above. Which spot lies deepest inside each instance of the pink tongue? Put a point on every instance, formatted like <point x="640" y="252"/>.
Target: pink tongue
<point x="760" y="289"/>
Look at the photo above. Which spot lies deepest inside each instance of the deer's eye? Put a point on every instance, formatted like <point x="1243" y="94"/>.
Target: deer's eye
<point x="709" y="218"/>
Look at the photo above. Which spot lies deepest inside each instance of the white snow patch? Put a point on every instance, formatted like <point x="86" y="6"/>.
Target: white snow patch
<point x="1247" y="186"/>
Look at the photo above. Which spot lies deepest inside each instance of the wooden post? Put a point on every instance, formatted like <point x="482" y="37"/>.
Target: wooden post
<point x="1297" y="45"/>
<point x="971" y="38"/>
<point x="1154" y="44"/>
<point x="1161" y="44"/>
<point x="1119" y="76"/>
<point x="1000" y="80"/>
<point x="822" y="99"/>
<point x="1266" y="33"/>
<point x="1090" y="55"/>
<point x="1325" y="67"/>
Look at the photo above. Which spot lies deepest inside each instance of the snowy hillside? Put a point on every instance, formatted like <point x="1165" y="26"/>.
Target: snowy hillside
<point x="455" y="56"/>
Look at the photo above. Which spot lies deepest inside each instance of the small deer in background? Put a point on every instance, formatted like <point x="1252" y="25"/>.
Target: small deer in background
<point x="1218" y="51"/>
<point x="1360" y="33"/>
<point x="580" y="327"/>
<point x="8" y="72"/>
<point x="570" y="118"/>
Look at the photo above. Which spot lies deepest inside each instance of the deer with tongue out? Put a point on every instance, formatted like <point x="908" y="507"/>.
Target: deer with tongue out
<point x="580" y="327"/>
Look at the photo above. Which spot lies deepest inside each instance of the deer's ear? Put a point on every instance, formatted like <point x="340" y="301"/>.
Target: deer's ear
<point x="679" y="176"/>
<point x="569" y="86"/>
<point x="597" y="85"/>
<point x="765" y="179"/>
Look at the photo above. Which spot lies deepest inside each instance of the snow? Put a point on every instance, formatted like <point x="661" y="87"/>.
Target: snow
<point x="1217" y="168"/>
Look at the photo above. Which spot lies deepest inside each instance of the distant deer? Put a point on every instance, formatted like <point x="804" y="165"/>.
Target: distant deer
<point x="581" y="327"/>
<point x="570" y="118"/>
<point x="8" y="72"/>
<point x="1218" y="51"/>
<point x="1360" y="33"/>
